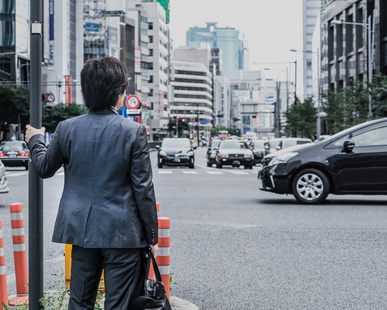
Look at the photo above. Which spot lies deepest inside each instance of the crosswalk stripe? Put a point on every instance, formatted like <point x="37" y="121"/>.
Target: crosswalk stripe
<point x="17" y="174"/>
<point x="239" y="172"/>
<point x="214" y="172"/>
<point x="165" y="172"/>
<point x="190" y="172"/>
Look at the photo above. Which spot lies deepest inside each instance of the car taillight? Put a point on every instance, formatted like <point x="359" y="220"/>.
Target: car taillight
<point x="2" y="154"/>
<point x="23" y="154"/>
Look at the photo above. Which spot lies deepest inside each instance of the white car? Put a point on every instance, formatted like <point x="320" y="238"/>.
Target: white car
<point x="3" y="180"/>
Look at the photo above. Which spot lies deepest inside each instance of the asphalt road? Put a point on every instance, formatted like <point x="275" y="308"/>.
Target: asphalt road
<point x="235" y="247"/>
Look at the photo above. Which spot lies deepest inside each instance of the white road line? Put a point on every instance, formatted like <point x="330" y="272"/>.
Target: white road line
<point x="214" y="172"/>
<point x="239" y="172"/>
<point x="165" y="171"/>
<point x="190" y="172"/>
<point x="16" y="174"/>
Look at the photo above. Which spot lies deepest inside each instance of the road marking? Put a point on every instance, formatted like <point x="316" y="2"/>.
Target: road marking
<point x="214" y="172"/>
<point x="16" y="174"/>
<point x="238" y="172"/>
<point x="165" y="171"/>
<point x="190" y="172"/>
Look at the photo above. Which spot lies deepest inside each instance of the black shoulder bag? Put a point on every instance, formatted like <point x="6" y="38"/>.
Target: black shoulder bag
<point x="154" y="296"/>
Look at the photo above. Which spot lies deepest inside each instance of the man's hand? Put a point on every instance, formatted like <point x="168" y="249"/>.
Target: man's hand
<point x="31" y="131"/>
<point x="154" y="249"/>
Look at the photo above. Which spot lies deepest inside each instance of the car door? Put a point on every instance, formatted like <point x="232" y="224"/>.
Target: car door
<point x="364" y="169"/>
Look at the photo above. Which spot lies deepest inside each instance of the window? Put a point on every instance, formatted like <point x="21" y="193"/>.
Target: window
<point x="150" y="26"/>
<point x="150" y="39"/>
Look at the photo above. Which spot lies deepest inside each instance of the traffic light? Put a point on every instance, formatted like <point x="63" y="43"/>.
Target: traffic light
<point x="255" y="116"/>
<point x="183" y="120"/>
<point x="177" y="116"/>
<point x="215" y="126"/>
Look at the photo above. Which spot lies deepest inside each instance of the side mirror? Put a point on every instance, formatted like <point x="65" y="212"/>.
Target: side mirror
<point x="348" y="146"/>
<point x="157" y="147"/>
<point x="195" y="147"/>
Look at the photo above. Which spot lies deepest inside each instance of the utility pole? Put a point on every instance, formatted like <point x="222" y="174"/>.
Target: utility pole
<point x="35" y="192"/>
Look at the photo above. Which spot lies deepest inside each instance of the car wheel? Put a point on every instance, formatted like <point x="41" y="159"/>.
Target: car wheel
<point x="27" y="167"/>
<point x="209" y="165"/>
<point x="219" y="165"/>
<point x="251" y="166"/>
<point x="191" y="165"/>
<point x="160" y="165"/>
<point x="246" y="166"/>
<point x="310" y="186"/>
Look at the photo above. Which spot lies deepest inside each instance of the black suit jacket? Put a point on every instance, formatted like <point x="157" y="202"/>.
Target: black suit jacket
<point x="108" y="199"/>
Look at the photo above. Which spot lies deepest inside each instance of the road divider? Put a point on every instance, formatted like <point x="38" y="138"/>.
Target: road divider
<point x="3" y="277"/>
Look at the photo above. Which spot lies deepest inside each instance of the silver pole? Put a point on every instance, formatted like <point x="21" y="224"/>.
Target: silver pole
<point x="369" y="66"/>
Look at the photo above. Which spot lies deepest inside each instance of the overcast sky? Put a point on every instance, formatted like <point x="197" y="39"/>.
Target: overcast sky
<point x="271" y="27"/>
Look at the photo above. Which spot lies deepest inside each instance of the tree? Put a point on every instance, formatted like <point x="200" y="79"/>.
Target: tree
<point x="378" y="91"/>
<point x="14" y="103"/>
<point x="52" y="115"/>
<point x="183" y="125"/>
<point x="301" y="119"/>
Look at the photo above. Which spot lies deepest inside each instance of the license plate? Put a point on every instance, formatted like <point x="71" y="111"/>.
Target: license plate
<point x="12" y="156"/>
<point x="236" y="162"/>
<point x="176" y="160"/>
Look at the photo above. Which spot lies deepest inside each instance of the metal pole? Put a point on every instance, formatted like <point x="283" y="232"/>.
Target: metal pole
<point x="318" y="96"/>
<point x="295" y="81"/>
<point x="369" y="66"/>
<point x="35" y="184"/>
<point x="198" y="122"/>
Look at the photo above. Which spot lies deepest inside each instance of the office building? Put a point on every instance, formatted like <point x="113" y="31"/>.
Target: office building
<point x="14" y="42"/>
<point x="234" y="50"/>
<point x="345" y="42"/>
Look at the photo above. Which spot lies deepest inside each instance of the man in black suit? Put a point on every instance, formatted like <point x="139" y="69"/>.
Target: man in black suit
<point x="108" y="208"/>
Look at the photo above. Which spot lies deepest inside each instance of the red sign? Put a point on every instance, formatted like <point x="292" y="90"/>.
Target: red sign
<point x="133" y="102"/>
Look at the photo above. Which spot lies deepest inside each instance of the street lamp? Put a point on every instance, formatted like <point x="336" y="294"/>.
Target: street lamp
<point x="318" y="125"/>
<point x="367" y="26"/>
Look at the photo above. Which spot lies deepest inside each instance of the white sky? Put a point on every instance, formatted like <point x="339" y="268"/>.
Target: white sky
<point x="271" y="28"/>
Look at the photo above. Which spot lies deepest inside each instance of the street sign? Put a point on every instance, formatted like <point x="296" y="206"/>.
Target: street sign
<point x="50" y="98"/>
<point x="133" y="102"/>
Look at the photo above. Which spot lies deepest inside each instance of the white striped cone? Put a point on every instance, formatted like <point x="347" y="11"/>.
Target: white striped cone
<point x="3" y="278"/>
<point x="19" y="253"/>
<point x="163" y="257"/>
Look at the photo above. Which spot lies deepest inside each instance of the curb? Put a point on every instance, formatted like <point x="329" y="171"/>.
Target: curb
<point x="176" y="303"/>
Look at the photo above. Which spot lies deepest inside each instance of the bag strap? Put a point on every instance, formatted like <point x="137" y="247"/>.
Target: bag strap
<point x="139" y="303"/>
<point x="155" y="267"/>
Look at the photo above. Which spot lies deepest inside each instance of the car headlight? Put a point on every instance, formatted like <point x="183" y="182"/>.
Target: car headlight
<point x="225" y="155"/>
<point x="190" y="153"/>
<point x="283" y="158"/>
<point x="248" y="155"/>
<point x="162" y="153"/>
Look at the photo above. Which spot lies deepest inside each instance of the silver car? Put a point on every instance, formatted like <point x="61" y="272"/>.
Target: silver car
<point x="3" y="180"/>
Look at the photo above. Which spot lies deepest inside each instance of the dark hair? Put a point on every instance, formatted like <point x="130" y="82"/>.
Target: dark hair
<point x="102" y="81"/>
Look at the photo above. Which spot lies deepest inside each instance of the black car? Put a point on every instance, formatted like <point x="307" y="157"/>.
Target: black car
<point x="211" y="152"/>
<point x="176" y="152"/>
<point x="233" y="153"/>
<point x="353" y="161"/>
<point x="260" y="149"/>
<point x="14" y="154"/>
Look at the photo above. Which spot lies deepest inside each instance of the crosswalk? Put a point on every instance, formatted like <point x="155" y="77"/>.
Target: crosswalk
<point x="160" y="172"/>
<point x="211" y="172"/>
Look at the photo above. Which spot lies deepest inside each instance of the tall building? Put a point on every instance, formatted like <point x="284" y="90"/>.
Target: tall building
<point x="62" y="51"/>
<point x="345" y="45"/>
<point x="227" y="39"/>
<point x="159" y="58"/>
<point x="14" y="41"/>
<point x="311" y="24"/>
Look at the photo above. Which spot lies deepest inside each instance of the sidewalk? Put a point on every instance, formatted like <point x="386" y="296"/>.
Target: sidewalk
<point x="176" y="303"/>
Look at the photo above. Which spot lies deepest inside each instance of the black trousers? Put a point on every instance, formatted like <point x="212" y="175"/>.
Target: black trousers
<point x="123" y="275"/>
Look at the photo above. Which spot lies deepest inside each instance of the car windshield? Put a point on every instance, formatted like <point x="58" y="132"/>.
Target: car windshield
<point x="230" y="145"/>
<point x="176" y="143"/>
<point x="13" y="146"/>
<point x="259" y="144"/>
<point x="215" y="144"/>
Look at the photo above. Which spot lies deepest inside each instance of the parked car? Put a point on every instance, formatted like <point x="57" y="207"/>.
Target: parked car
<point x="232" y="153"/>
<point x="211" y="152"/>
<point x="176" y="152"/>
<point x="260" y="149"/>
<point x="3" y="179"/>
<point x="353" y="161"/>
<point x="14" y="154"/>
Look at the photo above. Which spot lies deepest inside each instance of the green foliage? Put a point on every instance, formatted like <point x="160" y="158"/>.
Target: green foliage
<point x="14" y="101"/>
<point x="215" y="130"/>
<point x="182" y="126"/>
<point x="51" y="116"/>
<point x="378" y="91"/>
<point x="301" y="119"/>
